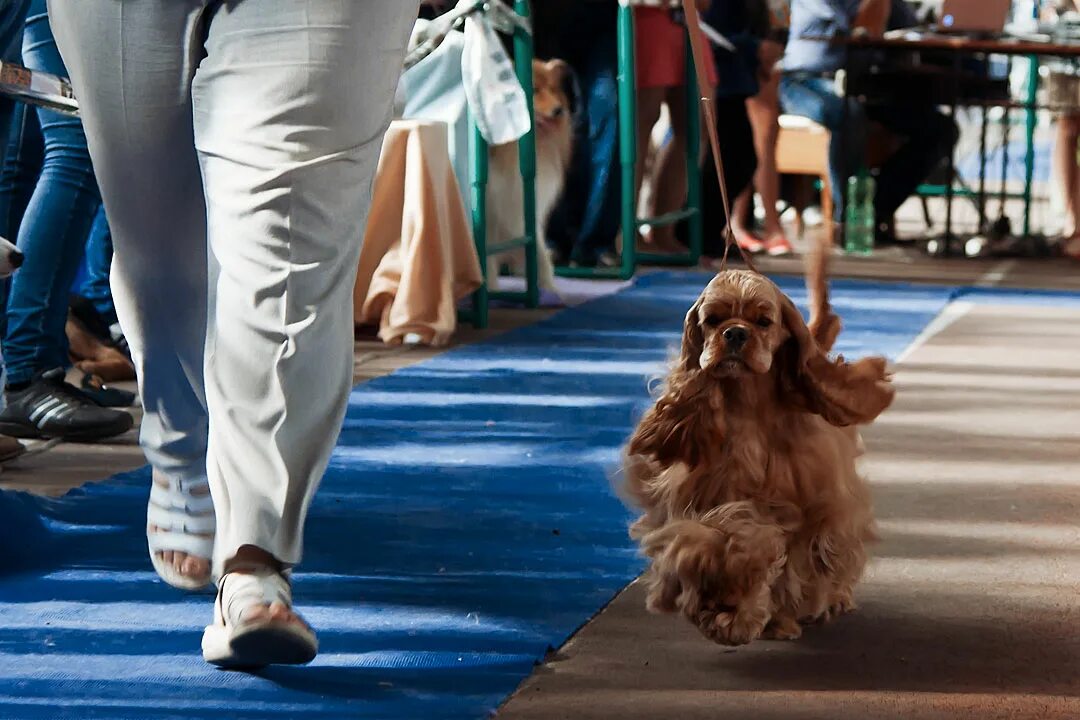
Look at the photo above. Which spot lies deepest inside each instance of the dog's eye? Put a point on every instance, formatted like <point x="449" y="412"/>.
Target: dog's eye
<point x="764" y="322"/>
<point x="712" y="321"/>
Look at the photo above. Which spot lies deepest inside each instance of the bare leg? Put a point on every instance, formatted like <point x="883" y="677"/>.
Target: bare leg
<point x="671" y="184"/>
<point x="1066" y="172"/>
<point x="764" y="111"/>
<point x="649" y="103"/>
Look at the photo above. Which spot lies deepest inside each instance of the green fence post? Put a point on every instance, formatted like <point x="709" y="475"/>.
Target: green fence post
<point x="693" y="153"/>
<point x="523" y="60"/>
<point x="479" y="222"/>
<point x="627" y="88"/>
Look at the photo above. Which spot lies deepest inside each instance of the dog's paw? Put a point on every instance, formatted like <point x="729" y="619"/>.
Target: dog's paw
<point x="662" y="595"/>
<point x="842" y="607"/>
<point x="730" y="626"/>
<point x="786" y="628"/>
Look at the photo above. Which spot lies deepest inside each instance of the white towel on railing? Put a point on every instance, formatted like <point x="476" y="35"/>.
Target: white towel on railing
<point x="496" y="99"/>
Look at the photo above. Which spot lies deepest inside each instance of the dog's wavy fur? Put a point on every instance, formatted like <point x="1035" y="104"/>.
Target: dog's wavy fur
<point x="755" y="518"/>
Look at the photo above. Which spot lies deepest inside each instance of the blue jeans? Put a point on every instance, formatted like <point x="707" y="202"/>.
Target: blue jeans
<point x="587" y="219"/>
<point x="816" y="99"/>
<point x="12" y="17"/>
<point x="99" y="251"/>
<point x="928" y="134"/>
<point x="53" y="230"/>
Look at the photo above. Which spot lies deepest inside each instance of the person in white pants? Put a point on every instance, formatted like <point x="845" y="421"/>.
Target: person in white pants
<point x="235" y="143"/>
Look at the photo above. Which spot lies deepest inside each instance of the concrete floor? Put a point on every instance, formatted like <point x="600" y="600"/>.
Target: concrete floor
<point x="969" y="610"/>
<point x="970" y="607"/>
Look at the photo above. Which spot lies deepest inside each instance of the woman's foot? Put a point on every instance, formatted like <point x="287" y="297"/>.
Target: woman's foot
<point x="180" y="527"/>
<point x="254" y="623"/>
<point x="777" y="245"/>
<point x="748" y="241"/>
<point x="1071" y="248"/>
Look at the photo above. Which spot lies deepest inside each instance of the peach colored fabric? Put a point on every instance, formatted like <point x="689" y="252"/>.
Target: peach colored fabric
<point x="418" y="257"/>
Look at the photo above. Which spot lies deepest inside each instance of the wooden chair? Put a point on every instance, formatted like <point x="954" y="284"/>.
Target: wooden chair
<point x="802" y="148"/>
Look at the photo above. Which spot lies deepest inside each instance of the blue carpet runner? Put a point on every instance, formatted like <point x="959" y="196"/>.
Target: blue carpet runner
<point x="466" y="525"/>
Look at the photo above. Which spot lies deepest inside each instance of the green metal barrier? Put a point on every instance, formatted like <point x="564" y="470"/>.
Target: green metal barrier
<point x="628" y="135"/>
<point x="478" y="313"/>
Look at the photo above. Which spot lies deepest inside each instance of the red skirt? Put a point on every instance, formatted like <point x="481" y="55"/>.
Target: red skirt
<point x="660" y="50"/>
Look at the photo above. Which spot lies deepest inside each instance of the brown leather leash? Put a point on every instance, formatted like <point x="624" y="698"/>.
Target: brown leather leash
<point x="693" y="24"/>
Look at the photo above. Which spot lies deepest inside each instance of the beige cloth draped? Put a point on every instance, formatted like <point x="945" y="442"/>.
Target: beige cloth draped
<point x="418" y="257"/>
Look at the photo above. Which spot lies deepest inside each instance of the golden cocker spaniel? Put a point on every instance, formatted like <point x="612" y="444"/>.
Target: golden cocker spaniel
<point x="755" y="519"/>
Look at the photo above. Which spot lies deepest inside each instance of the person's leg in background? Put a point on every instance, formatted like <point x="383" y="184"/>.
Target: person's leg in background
<point x="929" y="137"/>
<point x="669" y="175"/>
<point x="99" y="252"/>
<point x="736" y="138"/>
<point x="1067" y="169"/>
<point x="764" y="112"/>
<point x="52" y="237"/>
<point x="288" y="145"/>
<point x="23" y="158"/>
<point x="662" y="66"/>
<point x="599" y="225"/>
<point x="93" y="305"/>
<point x="582" y="228"/>
<point x="12" y="17"/>
<point x="817" y="100"/>
<point x="1067" y="172"/>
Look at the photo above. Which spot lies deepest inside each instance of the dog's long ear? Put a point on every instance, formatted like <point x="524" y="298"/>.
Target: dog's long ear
<point x="693" y="340"/>
<point x="568" y="82"/>
<point x="686" y="423"/>
<point x="843" y="393"/>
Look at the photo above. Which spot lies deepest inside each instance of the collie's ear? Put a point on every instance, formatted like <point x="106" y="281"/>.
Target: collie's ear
<point x="568" y="82"/>
<point x="843" y="393"/>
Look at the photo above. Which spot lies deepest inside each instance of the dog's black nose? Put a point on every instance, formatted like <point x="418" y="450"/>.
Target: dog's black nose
<point x="16" y="259"/>
<point x="736" y="337"/>
<point x="558" y="112"/>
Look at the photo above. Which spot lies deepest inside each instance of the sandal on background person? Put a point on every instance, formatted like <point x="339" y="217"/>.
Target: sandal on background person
<point x="777" y="246"/>
<point x="273" y="638"/>
<point x="748" y="241"/>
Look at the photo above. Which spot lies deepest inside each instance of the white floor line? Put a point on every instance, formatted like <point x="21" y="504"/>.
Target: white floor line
<point x="950" y="314"/>
<point x="994" y="276"/>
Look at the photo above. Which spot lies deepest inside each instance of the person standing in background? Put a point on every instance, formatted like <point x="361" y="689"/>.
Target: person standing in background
<point x="660" y="53"/>
<point x="583" y="226"/>
<point x="1064" y="89"/>
<point x="236" y="143"/>
<point x="742" y="23"/>
<point x="764" y="110"/>
<point x="49" y="197"/>
<point x="808" y="88"/>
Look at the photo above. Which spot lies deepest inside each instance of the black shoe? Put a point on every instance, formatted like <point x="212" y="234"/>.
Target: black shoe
<point x="51" y="408"/>
<point x="106" y="395"/>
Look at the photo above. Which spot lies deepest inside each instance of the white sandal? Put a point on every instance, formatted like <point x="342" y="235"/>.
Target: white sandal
<point x="230" y="642"/>
<point x="183" y="513"/>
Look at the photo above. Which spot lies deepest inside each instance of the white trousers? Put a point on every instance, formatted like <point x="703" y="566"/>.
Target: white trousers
<point x="235" y="144"/>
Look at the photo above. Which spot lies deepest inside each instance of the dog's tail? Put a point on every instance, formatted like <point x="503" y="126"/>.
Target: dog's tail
<point x="824" y="323"/>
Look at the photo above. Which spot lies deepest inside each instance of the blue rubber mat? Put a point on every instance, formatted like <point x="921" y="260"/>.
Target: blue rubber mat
<point x="466" y="525"/>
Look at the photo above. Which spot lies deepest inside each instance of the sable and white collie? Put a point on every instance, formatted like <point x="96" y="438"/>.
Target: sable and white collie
<point x="553" y="111"/>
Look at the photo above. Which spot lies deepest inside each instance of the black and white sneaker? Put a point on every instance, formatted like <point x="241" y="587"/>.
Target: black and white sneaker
<point x="52" y="408"/>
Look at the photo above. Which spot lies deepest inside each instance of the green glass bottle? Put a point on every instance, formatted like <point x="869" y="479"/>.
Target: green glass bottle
<point x="859" y="220"/>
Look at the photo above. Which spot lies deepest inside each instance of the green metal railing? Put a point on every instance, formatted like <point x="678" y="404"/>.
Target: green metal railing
<point x="478" y="313"/>
<point x="628" y="139"/>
